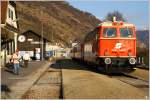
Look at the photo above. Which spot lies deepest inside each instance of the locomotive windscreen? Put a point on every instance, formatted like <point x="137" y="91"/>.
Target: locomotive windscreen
<point x="110" y="32"/>
<point x="126" y="32"/>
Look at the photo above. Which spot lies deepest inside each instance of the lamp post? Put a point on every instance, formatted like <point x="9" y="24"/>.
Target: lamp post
<point x="42" y="34"/>
<point x="42" y="41"/>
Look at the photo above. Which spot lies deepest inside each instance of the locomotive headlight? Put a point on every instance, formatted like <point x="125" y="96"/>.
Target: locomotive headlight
<point x="107" y="60"/>
<point x="132" y="61"/>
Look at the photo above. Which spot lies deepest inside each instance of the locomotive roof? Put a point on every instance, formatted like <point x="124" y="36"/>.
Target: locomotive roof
<point x="109" y="23"/>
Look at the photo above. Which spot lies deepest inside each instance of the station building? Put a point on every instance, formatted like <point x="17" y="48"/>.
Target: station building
<point x="33" y="43"/>
<point x="9" y="30"/>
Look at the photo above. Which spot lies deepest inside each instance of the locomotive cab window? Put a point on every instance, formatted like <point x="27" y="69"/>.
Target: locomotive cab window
<point x="126" y="32"/>
<point x="109" y="32"/>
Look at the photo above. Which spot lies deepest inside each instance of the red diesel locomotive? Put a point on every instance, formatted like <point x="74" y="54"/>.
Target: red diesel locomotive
<point x="110" y="43"/>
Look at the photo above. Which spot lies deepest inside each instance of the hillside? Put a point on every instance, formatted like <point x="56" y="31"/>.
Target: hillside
<point x="61" y="21"/>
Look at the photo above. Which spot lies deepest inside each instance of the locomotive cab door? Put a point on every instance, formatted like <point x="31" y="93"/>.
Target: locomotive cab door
<point x="97" y="41"/>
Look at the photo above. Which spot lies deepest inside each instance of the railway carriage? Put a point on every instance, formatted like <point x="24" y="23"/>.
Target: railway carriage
<point x="109" y="44"/>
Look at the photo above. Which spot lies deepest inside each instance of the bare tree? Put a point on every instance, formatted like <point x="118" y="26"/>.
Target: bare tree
<point x="118" y="15"/>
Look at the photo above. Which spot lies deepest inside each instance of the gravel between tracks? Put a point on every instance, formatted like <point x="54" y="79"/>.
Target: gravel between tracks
<point x="141" y="73"/>
<point x="47" y="87"/>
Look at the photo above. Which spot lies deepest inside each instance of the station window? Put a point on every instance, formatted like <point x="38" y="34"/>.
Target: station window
<point x="109" y="32"/>
<point x="126" y="32"/>
<point x="10" y="13"/>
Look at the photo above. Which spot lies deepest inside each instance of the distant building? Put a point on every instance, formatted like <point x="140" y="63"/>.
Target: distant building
<point x="57" y="50"/>
<point x="53" y="50"/>
<point x="33" y="43"/>
<point x="9" y="30"/>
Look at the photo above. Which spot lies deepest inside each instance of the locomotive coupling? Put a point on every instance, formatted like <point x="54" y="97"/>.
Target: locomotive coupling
<point x="132" y="61"/>
<point x="107" y="61"/>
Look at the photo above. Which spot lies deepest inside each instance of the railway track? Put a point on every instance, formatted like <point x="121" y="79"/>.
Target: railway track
<point x="136" y="81"/>
<point x="145" y="68"/>
<point x="48" y="86"/>
<point x="131" y="80"/>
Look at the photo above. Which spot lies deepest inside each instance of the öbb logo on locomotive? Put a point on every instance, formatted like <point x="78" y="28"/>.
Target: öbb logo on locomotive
<point x="118" y="45"/>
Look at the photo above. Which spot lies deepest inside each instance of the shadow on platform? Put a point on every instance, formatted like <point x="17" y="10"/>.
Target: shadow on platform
<point x="75" y="65"/>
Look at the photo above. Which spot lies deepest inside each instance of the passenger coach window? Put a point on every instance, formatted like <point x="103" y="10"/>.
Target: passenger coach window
<point x="109" y="32"/>
<point x="126" y="32"/>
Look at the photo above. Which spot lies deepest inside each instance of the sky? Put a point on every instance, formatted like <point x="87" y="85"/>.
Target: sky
<point x="135" y="11"/>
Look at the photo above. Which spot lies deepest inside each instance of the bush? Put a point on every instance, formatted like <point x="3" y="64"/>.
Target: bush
<point x="143" y="52"/>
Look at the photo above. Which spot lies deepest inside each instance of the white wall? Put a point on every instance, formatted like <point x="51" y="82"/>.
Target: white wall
<point x="52" y="47"/>
<point x="9" y="20"/>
